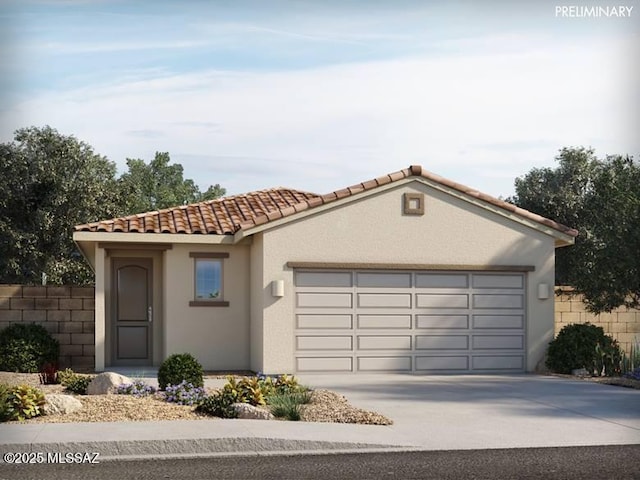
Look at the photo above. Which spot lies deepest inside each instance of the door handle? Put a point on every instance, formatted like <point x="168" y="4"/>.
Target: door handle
<point x="150" y="314"/>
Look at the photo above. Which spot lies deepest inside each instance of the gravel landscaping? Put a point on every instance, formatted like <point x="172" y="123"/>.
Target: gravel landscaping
<point x="325" y="406"/>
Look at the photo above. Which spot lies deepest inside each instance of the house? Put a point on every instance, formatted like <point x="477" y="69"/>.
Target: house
<point x="408" y="272"/>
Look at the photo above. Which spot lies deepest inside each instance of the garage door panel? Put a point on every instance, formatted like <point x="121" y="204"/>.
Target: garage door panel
<point x="442" y="342"/>
<point x="384" y="280"/>
<point x="384" y="364"/>
<point x="498" y="321"/>
<point x="323" y="279"/>
<point x="384" y="300"/>
<point x="326" y="300"/>
<point x="427" y="300"/>
<point x="384" y="321"/>
<point x="324" y="321"/>
<point x="442" y="321"/>
<point x="384" y="342"/>
<point x="497" y="301"/>
<point x="324" y="364"/>
<point x="498" y="342"/>
<point x="442" y="363"/>
<point x="442" y="280"/>
<point x="498" y="362"/>
<point x="324" y="342"/>
<point x="498" y="281"/>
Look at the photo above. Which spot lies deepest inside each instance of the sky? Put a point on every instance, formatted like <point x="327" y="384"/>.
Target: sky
<point x="319" y="95"/>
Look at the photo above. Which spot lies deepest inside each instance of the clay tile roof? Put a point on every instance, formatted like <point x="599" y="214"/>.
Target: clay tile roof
<point x="225" y="216"/>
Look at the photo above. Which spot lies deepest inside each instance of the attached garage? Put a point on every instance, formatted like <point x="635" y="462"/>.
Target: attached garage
<point x="410" y="321"/>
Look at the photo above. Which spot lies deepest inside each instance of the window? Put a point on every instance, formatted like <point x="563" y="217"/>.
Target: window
<point x="208" y="285"/>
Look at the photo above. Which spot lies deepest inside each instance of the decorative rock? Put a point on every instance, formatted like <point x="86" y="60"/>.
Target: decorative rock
<point x="249" y="412"/>
<point x="60" y="404"/>
<point x="106" y="383"/>
<point x="580" y="372"/>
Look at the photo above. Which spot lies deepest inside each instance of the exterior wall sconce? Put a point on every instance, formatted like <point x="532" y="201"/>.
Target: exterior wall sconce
<point x="277" y="288"/>
<point x="543" y="291"/>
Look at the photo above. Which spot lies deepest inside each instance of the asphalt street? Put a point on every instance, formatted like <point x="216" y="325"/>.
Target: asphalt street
<point x="583" y="463"/>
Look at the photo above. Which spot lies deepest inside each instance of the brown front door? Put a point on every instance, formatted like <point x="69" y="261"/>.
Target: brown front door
<point x="132" y="311"/>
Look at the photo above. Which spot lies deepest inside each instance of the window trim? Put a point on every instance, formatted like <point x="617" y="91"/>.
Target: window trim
<point x="213" y="256"/>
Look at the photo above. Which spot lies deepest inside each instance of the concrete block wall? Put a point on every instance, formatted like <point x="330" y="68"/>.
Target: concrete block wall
<point x="622" y="324"/>
<point x="66" y="312"/>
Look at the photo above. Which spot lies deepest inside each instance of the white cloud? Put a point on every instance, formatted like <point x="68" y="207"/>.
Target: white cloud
<point x="326" y="127"/>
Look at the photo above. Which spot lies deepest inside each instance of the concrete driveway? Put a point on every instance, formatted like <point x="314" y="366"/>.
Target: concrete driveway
<point x="506" y="411"/>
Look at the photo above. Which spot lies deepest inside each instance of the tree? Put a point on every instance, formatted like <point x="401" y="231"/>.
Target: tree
<point x="601" y="199"/>
<point x="157" y="185"/>
<point x="49" y="182"/>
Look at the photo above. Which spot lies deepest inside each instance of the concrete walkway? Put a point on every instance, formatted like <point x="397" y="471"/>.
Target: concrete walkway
<point x="429" y="413"/>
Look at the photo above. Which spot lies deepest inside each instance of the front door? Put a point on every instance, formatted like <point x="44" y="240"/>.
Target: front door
<point x="132" y="311"/>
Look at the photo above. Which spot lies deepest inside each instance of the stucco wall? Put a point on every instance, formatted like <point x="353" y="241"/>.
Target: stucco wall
<point x="622" y="324"/>
<point x="217" y="336"/>
<point x="374" y="230"/>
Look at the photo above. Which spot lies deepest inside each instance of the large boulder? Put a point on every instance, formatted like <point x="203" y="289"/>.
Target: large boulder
<point x="249" y="412"/>
<point x="56" y="404"/>
<point x="106" y="382"/>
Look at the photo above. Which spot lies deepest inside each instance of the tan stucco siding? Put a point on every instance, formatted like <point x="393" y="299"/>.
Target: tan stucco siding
<point x="217" y="336"/>
<point x="374" y="230"/>
<point x="258" y="300"/>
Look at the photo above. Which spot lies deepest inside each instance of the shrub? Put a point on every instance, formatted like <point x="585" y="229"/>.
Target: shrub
<point x="285" y="406"/>
<point x="138" y="389"/>
<point x="5" y="402"/>
<point x="219" y="405"/>
<point x="184" y="393"/>
<point x="74" y="382"/>
<point x="26" y="348"/>
<point x="576" y="346"/>
<point x="22" y="402"/>
<point x="180" y="367"/>
<point x="634" y="374"/>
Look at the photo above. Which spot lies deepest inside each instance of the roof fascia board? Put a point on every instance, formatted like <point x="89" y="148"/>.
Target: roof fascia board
<point x="151" y="238"/>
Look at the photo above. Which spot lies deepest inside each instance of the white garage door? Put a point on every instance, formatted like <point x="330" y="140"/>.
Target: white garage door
<point x="403" y="321"/>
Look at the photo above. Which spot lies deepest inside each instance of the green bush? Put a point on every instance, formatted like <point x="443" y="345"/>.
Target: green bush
<point x="74" y="382"/>
<point x="180" y="367"/>
<point x="285" y="406"/>
<point x="20" y="402"/>
<point x="26" y="347"/>
<point x="583" y="346"/>
<point x="219" y="405"/>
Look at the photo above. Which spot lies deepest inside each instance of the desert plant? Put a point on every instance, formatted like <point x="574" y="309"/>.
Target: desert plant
<point x="5" y="402"/>
<point x="180" y="367"/>
<point x="184" y="393"/>
<point x="26" y="347"/>
<point x="49" y="374"/>
<point x="219" y="405"/>
<point x="609" y="359"/>
<point x="138" y="389"/>
<point x="251" y="391"/>
<point x="75" y="382"/>
<point x="575" y="347"/>
<point x="25" y="402"/>
<point x="285" y="406"/>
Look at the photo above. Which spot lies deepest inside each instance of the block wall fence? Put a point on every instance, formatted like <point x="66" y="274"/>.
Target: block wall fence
<point x="68" y="313"/>
<point x="622" y="324"/>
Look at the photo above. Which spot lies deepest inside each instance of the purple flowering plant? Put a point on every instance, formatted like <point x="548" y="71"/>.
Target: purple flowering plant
<point x="634" y="374"/>
<point x="184" y="393"/>
<point x="138" y="389"/>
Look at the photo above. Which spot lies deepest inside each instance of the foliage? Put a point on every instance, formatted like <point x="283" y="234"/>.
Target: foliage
<point x="26" y="347"/>
<point x="631" y="361"/>
<point x="138" y="389"/>
<point x="582" y="346"/>
<point x="219" y="405"/>
<point x="74" y="382"/>
<point x="5" y="402"/>
<point x="285" y="406"/>
<point x="180" y="367"/>
<point x="23" y="402"/>
<point x="49" y="373"/>
<point x="601" y="199"/>
<point x="184" y="393"/>
<point x="49" y="183"/>
<point x="147" y="187"/>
